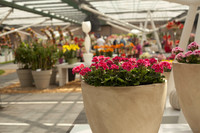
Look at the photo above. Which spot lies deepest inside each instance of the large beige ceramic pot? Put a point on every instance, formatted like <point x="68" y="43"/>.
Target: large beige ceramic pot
<point x="167" y="75"/>
<point x="134" y="109"/>
<point x="25" y="77"/>
<point x="42" y="78"/>
<point x="187" y="83"/>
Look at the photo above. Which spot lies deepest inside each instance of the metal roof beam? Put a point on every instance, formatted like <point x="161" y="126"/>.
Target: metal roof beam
<point x="48" y="3"/>
<point x="24" y="8"/>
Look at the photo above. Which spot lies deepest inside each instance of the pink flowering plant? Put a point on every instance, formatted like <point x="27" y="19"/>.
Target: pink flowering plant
<point x="192" y="56"/>
<point x="121" y="71"/>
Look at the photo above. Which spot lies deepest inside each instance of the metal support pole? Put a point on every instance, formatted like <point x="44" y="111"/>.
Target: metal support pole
<point x="144" y="37"/>
<point x="9" y="12"/>
<point x="188" y="26"/>
<point x="118" y="27"/>
<point x="197" y="36"/>
<point x="155" y="32"/>
<point x="21" y="28"/>
<point x="66" y="27"/>
<point x="86" y="7"/>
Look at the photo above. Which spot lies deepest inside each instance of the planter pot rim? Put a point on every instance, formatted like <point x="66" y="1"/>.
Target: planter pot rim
<point x="120" y="87"/>
<point x="41" y="70"/>
<point x="176" y="62"/>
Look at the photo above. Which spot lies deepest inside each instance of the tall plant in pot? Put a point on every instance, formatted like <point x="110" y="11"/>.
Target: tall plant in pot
<point x="44" y="58"/>
<point x="186" y="70"/>
<point x="123" y="95"/>
<point x="23" y="59"/>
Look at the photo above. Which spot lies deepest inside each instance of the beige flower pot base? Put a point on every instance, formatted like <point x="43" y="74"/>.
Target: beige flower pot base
<point x="25" y="77"/>
<point x="187" y="83"/>
<point x="135" y="109"/>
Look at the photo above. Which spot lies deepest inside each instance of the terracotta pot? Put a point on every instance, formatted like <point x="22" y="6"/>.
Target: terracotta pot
<point x="187" y="83"/>
<point x="72" y="60"/>
<point x="173" y="100"/>
<point x="25" y="77"/>
<point x="134" y="109"/>
<point x="42" y="78"/>
<point x="53" y="76"/>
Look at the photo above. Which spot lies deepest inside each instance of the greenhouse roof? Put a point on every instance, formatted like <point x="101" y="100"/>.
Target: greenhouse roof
<point x="61" y="12"/>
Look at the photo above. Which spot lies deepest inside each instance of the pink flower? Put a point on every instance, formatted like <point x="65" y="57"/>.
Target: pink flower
<point x="94" y="65"/>
<point x="95" y="59"/>
<point x="152" y="61"/>
<point x="77" y="69"/>
<point x="188" y="53"/>
<point x="127" y="66"/>
<point x="196" y="52"/>
<point x="101" y="58"/>
<point x="116" y="59"/>
<point x="132" y="60"/>
<point x="103" y="65"/>
<point x="177" y="50"/>
<point x="193" y="46"/>
<point x="165" y="64"/>
<point x="114" y="66"/>
<point x="142" y="62"/>
<point x="157" y="68"/>
<point x="180" y="56"/>
<point x="85" y="71"/>
<point x="109" y="62"/>
<point x="106" y="58"/>
<point x="124" y="59"/>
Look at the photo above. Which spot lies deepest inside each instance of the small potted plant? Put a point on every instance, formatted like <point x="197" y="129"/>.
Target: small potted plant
<point x="123" y="95"/>
<point x="70" y="53"/>
<point x="186" y="70"/>
<point x="44" y="58"/>
<point x="23" y="59"/>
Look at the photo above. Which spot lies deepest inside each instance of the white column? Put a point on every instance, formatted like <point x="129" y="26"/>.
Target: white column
<point x="188" y="26"/>
<point x="155" y="32"/>
<point x="197" y="36"/>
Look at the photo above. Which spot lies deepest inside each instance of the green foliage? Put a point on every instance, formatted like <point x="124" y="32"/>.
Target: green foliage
<point x="1" y="72"/>
<point x="23" y="56"/>
<point x="120" y="77"/>
<point x="44" y="57"/>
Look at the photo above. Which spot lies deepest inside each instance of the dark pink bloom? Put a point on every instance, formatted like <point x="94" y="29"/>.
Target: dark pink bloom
<point x="77" y="69"/>
<point x="109" y="62"/>
<point x="124" y="59"/>
<point x="157" y="68"/>
<point x="94" y="65"/>
<point x="116" y="59"/>
<point x="95" y="59"/>
<point x="132" y="60"/>
<point x="101" y="58"/>
<point x="114" y="66"/>
<point x="85" y="71"/>
<point x="196" y="52"/>
<point x="165" y="64"/>
<point x="127" y="66"/>
<point x="142" y="62"/>
<point x="152" y="61"/>
<point x="103" y="65"/>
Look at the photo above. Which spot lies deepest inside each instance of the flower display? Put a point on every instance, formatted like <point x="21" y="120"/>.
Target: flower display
<point x="70" y="51"/>
<point x="192" y="56"/>
<point x="174" y="25"/>
<point x="122" y="71"/>
<point x="167" y="66"/>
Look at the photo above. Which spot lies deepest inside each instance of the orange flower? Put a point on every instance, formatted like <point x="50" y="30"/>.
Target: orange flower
<point x="106" y="46"/>
<point x="96" y="47"/>
<point x="122" y="45"/>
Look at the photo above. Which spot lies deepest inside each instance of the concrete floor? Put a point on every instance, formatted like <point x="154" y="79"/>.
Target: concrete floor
<point x="41" y="113"/>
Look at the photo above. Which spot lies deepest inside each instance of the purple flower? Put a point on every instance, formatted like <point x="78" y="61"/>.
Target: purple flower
<point x="193" y="46"/>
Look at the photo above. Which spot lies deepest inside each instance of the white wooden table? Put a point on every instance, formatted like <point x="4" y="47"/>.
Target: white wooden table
<point x="164" y="128"/>
<point x="63" y="71"/>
